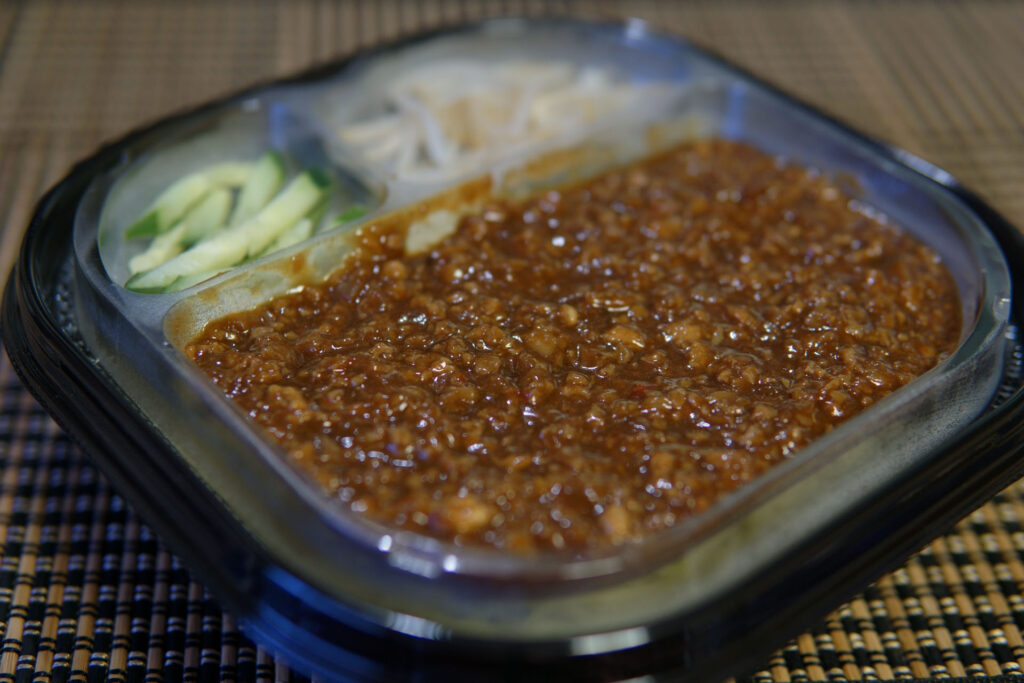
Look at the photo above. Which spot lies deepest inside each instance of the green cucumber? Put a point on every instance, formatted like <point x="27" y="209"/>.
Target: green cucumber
<point x="349" y="214"/>
<point x="299" y="232"/>
<point x="186" y="281"/>
<point x="173" y="202"/>
<point x="212" y="255"/>
<point x="200" y="221"/>
<point x="233" y="245"/>
<point x="302" y="230"/>
<point x="164" y="247"/>
<point x="297" y="199"/>
<point x="207" y="216"/>
<point x="266" y="179"/>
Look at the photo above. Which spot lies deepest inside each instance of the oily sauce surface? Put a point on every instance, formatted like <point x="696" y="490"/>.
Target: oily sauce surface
<point x="590" y="366"/>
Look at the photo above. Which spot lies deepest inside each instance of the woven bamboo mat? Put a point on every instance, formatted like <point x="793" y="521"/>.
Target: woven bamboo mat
<point x="88" y="593"/>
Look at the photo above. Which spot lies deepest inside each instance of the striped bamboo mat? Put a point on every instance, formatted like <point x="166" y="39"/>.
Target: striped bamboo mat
<point x="86" y="590"/>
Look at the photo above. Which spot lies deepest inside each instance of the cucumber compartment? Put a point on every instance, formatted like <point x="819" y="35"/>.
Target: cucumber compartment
<point x="163" y="227"/>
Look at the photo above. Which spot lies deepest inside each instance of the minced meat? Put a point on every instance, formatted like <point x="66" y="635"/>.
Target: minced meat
<point x="592" y="365"/>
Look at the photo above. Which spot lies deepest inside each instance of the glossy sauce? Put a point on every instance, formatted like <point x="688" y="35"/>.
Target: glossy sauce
<point x="595" y="364"/>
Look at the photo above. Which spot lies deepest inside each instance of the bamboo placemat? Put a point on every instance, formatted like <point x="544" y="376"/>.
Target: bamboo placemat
<point x="87" y="591"/>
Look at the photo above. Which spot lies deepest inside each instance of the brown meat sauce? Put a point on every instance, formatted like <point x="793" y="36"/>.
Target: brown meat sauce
<point x="592" y="365"/>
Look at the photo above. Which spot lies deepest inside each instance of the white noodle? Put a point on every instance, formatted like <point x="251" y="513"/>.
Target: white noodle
<point x="371" y="130"/>
<point x="447" y="118"/>
<point x="433" y="141"/>
<point x="388" y="148"/>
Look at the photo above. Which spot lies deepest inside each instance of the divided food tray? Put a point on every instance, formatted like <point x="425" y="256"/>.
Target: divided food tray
<point x="348" y="598"/>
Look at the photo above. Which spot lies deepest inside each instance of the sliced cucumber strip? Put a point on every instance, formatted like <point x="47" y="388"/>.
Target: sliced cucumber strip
<point x="294" y="202"/>
<point x="350" y="214"/>
<point x="164" y="247"/>
<point x="186" y="281"/>
<point x="264" y="182"/>
<point x="233" y="245"/>
<point x="229" y="173"/>
<point x="207" y="216"/>
<point x="201" y="220"/>
<point x="173" y="202"/>
<point x="212" y="255"/>
<point x="302" y="230"/>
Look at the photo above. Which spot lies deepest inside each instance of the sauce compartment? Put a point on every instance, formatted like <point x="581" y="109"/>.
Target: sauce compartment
<point x="595" y="364"/>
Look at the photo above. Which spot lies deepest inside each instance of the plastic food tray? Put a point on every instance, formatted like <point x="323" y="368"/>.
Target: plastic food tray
<point x="350" y="599"/>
